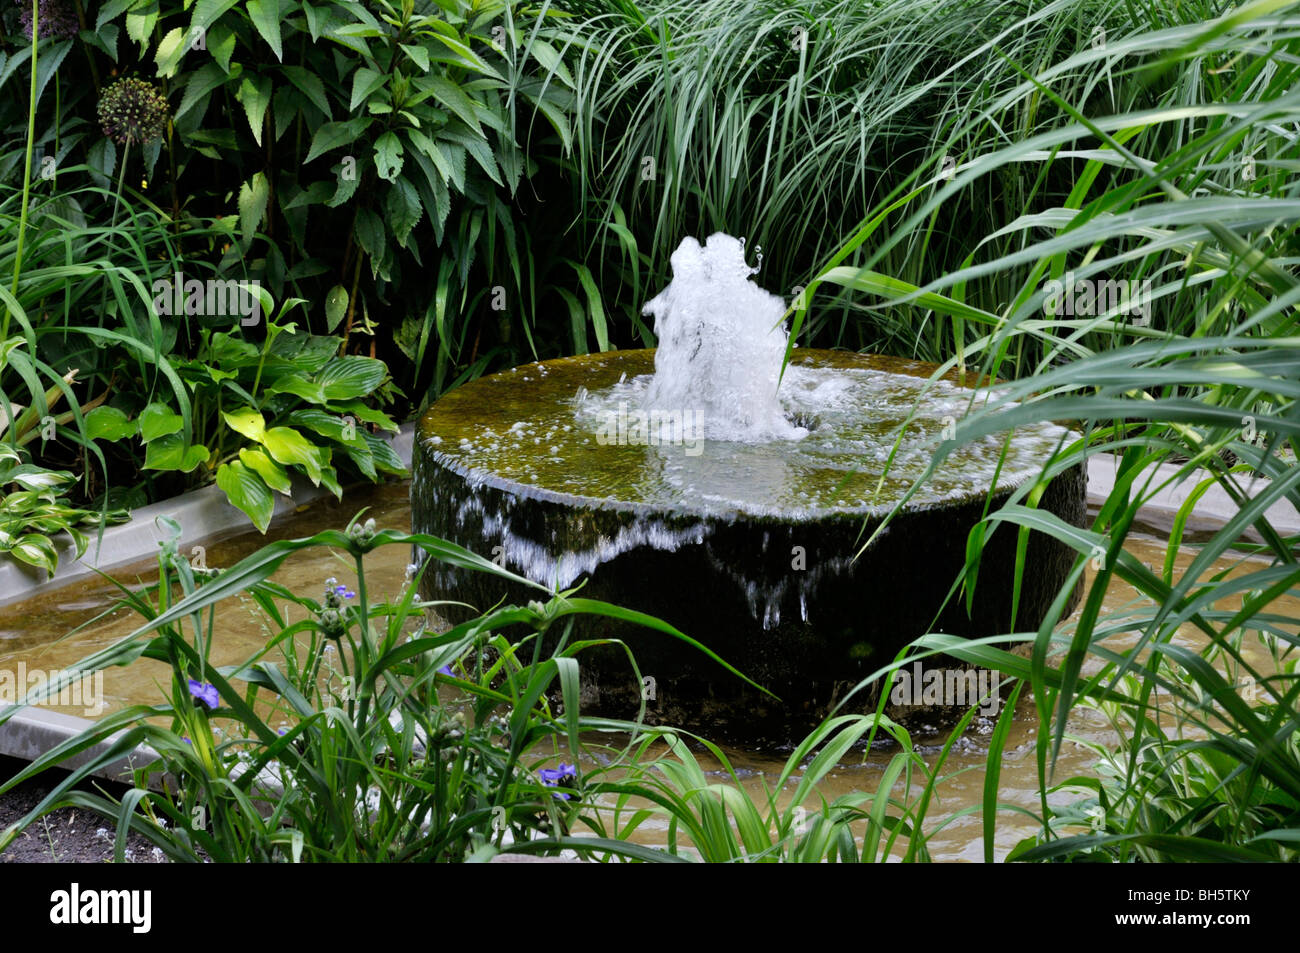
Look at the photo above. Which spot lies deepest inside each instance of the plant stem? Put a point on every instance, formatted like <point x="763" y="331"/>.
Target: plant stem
<point x="27" y="172"/>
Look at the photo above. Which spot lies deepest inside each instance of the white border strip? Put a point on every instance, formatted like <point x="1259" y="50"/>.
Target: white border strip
<point x="206" y="510"/>
<point x="1211" y="512"/>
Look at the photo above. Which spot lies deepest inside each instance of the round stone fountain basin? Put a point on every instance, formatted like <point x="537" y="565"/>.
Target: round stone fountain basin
<point x="755" y="550"/>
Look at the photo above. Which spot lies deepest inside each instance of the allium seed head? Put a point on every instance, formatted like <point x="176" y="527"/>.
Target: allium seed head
<point x="132" y="111"/>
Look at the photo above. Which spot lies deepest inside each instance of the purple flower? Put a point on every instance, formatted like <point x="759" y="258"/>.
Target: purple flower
<point x="206" y="693"/>
<point x="553" y="776"/>
<point x="446" y="670"/>
<point x="335" y="593"/>
<point x="57" y="19"/>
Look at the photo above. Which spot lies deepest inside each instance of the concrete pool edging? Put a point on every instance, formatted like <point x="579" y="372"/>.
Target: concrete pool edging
<point x="1212" y="511"/>
<point x="32" y="732"/>
<point x="205" y="512"/>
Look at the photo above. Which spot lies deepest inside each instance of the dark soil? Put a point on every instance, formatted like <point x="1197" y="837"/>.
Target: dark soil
<point x="68" y="835"/>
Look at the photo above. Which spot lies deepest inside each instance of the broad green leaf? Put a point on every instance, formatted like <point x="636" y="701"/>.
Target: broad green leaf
<point x="348" y="179"/>
<point x="359" y="30"/>
<point x="556" y="117"/>
<point x="290" y="447"/>
<point x="351" y="376"/>
<point x="309" y="84"/>
<point x="551" y="61"/>
<point x="299" y="386"/>
<point x="364" y="82"/>
<point x="221" y="44"/>
<point x="314" y="194"/>
<point x="101" y="160"/>
<point x="198" y="86"/>
<point x="253" y="199"/>
<point x="255" y="94"/>
<point x="170" y="453"/>
<point x="246" y="490"/>
<point x="171" y="49"/>
<point x="388" y="156"/>
<point x="452" y="156"/>
<point x="341" y="427"/>
<point x="140" y="21"/>
<point x="464" y="55"/>
<point x="207" y="12"/>
<point x="479" y="149"/>
<point x="265" y="15"/>
<point x="419" y="55"/>
<point x="385" y="456"/>
<point x="230" y="352"/>
<point x="351" y="38"/>
<point x="451" y="96"/>
<point x="276" y="477"/>
<point x="336" y="306"/>
<point x="404" y="209"/>
<point x="32" y="477"/>
<point x="331" y="135"/>
<point x="362" y="411"/>
<point x="302" y="352"/>
<point x="246" y="421"/>
<point x="364" y="461"/>
<point x="109" y="423"/>
<point x="314" y="19"/>
<point x="35" y="550"/>
<point x="104" y="39"/>
<point x="420" y="142"/>
<point x="370" y="233"/>
<point x="158" y="420"/>
<point x="330" y="480"/>
<point x="109" y="10"/>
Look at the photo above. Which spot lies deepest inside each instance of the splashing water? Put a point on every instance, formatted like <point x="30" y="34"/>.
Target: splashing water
<point x="721" y="344"/>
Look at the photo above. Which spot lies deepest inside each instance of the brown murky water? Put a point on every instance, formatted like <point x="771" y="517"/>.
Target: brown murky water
<point x="35" y="634"/>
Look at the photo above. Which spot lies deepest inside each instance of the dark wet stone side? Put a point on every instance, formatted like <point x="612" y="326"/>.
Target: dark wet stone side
<point x="808" y="635"/>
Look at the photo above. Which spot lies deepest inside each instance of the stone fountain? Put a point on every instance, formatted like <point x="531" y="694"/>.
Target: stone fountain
<point x="699" y="485"/>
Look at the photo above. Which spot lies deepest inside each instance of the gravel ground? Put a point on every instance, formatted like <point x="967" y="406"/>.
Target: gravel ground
<point x="66" y="836"/>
